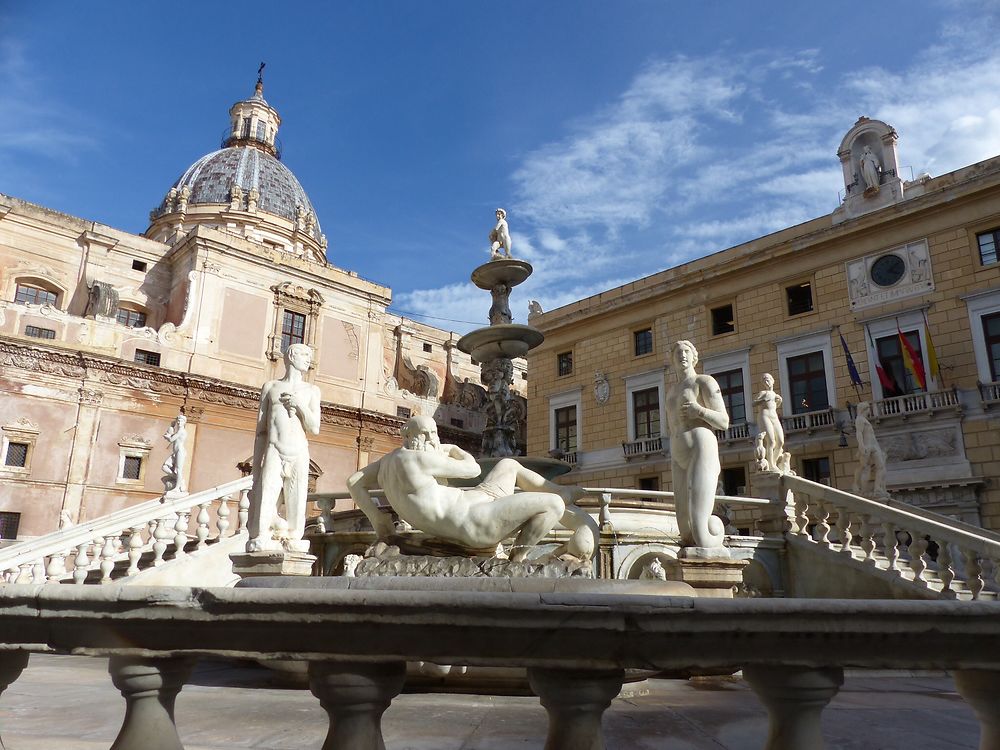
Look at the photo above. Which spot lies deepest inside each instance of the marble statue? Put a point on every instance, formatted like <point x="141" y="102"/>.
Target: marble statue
<point x="871" y="170"/>
<point x="289" y="411"/>
<point x="654" y="571"/>
<point x="479" y="517"/>
<point x="173" y="467"/>
<point x="869" y="479"/>
<point x="500" y="237"/>
<point x="695" y="409"/>
<point x="769" y="422"/>
<point x="534" y="308"/>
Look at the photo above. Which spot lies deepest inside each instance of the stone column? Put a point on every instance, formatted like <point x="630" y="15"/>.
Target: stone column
<point x="778" y="518"/>
<point x="150" y="687"/>
<point x="355" y="695"/>
<point x="795" y="697"/>
<point x="980" y="688"/>
<point x="87" y="418"/>
<point x="575" y="700"/>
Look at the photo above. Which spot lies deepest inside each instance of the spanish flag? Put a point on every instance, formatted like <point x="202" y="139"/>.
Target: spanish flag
<point x="911" y="359"/>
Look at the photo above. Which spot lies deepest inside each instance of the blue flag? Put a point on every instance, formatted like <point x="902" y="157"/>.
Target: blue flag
<point x="851" y="367"/>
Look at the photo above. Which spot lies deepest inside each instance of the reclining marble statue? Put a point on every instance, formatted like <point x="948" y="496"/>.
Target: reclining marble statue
<point x="289" y="410"/>
<point x="414" y="478"/>
<point x="695" y="409"/>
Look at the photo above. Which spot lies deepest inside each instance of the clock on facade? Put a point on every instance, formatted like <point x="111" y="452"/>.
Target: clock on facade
<point x="888" y="269"/>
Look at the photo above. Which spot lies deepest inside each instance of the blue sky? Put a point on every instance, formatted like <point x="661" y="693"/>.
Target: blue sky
<point x="622" y="137"/>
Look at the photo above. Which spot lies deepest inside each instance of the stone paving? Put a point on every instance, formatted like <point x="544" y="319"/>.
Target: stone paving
<point x="69" y="702"/>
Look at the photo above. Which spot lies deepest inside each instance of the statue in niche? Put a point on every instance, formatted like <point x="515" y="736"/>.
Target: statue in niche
<point x="173" y="467"/>
<point x="695" y="409"/>
<point x="768" y="402"/>
<point x="479" y="517"/>
<point x="500" y="237"/>
<point x="871" y="170"/>
<point x="654" y="571"/>
<point x="500" y="309"/>
<point x="289" y="411"/>
<point x="869" y="479"/>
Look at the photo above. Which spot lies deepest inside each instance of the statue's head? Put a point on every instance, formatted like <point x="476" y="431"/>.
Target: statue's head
<point x="864" y="409"/>
<point x="298" y="356"/>
<point x="686" y="350"/>
<point x="181" y="420"/>
<point x="769" y="380"/>
<point x="501" y="214"/>
<point x="420" y="433"/>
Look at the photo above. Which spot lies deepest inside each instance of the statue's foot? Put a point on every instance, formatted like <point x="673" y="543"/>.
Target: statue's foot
<point x="295" y="545"/>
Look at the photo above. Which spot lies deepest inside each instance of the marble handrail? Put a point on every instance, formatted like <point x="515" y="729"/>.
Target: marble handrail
<point x="356" y="634"/>
<point x="35" y="552"/>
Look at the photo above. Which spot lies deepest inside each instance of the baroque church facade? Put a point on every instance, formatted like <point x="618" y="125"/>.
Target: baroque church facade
<point x="106" y="336"/>
<point x="901" y="270"/>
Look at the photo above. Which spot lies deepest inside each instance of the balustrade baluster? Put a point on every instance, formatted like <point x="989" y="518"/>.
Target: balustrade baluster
<point x="81" y="563"/>
<point x="355" y="695"/>
<point x="795" y="698"/>
<point x="802" y="512"/>
<point x="164" y="531"/>
<point x="202" y="520"/>
<point x="823" y="525"/>
<point x="150" y="688"/>
<point x="10" y="575"/>
<point x="980" y="688"/>
<point x="244" y="512"/>
<point x="944" y="569"/>
<point x="108" y="551"/>
<point x="867" y="532"/>
<point x="135" y="545"/>
<point x="180" y="535"/>
<point x="38" y="571"/>
<point x="916" y="549"/>
<point x="56" y="568"/>
<point x="890" y="546"/>
<point x="844" y="522"/>
<point x="575" y="700"/>
<point x="974" y="573"/>
<point x="222" y="519"/>
<point x="24" y="573"/>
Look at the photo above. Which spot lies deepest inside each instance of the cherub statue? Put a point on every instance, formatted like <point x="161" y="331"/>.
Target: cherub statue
<point x="500" y="237"/>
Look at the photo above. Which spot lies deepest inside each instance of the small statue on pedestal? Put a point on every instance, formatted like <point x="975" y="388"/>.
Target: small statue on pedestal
<point x="772" y="433"/>
<point x="173" y="467"/>
<point x="500" y="237"/>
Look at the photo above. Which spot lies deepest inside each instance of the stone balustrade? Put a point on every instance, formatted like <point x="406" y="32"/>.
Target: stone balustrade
<point x="357" y="634"/>
<point x="990" y="393"/>
<point x="810" y="421"/>
<point x="142" y="536"/>
<point x="643" y="447"/>
<point x="930" y="552"/>
<point x="913" y="404"/>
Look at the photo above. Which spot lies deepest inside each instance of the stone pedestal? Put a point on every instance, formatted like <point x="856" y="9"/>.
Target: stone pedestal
<point x="150" y="687"/>
<point x="355" y="695"/>
<point x="272" y="563"/>
<point x="712" y="572"/>
<point x="575" y="700"/>
<point x="795" y="697"/>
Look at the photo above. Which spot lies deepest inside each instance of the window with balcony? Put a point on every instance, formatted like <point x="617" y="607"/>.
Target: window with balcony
<point x="991" y="337"/>
<point x="565" y="428"/>
<point x="646" y="413"/>
<point x="733" y="393"/>
<point x="564" y="363"/>
<point x="807" y="382"/>
<point x="642" y="342"/>
<point x="30" y="294"/>
<point x="890" y="355"/>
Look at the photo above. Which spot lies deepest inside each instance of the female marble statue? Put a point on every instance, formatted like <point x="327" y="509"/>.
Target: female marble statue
<point x="173" y="467"/>
<point x="695" y="409"/>
<point x="870" y="169"/>
<point x="770" y="423"/>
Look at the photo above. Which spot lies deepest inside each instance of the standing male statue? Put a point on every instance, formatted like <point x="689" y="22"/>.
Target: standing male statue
<point x="414" y="480"/>
<point x="869" y="479"/>
<point x="500" y="237"/>
<point x="289" y="410"/>
<point x="695" y="409"/>
<point x="173" y="467"/>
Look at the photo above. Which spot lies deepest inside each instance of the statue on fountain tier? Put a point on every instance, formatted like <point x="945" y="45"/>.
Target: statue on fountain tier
<point x="869" y="480"/>
<point x="477" y="517"/>
<point x="695" y="410"/>
<point x="500" y="237"/>
<point x="289" y="409"/>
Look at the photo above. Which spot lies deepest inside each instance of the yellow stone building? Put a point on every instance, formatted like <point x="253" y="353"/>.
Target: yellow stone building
<point x="918" y="257"/>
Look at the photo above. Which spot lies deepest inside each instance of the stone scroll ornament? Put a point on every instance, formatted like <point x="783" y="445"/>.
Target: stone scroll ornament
<point x="476" y="518"/>
<point x="289" y="412"/>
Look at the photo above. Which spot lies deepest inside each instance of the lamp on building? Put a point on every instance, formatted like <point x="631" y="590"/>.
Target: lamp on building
<point x="843" y="439"/>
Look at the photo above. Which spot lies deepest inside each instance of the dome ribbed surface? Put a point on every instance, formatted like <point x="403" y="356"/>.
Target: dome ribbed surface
<point x="211" y="176"/>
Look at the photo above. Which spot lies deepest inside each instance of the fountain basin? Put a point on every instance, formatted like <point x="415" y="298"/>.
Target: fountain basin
<point x="508" y="340"/>
<point x="504" y="271"/>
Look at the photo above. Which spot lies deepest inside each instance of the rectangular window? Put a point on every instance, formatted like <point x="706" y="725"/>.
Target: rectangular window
<point x="650" y="484"/>
<point x="643" y="341"/>
<point x="403" y="413"/>
<point x="734" y="481"/>
<point x="723" y="320"/>
<point x="731" y="385"/>
<point x="988" y="242"/>
<point x="890" y="354"/>
<point x="17" y="455"/>
<point x="293" y="329"/>
<point x="39" y="333"/>
<point x="131" y="318"/>
<point x="132" y="467"/>
<point x="807" y="383"/>
<point x="147" y="358"/>
<point x="564" y="363"/>
<point x="26" y="294"/>
<point x="566" y="428"/>
<point x="459" y="423"/>
<point x="816" y="469"/>
<point x="646" y="413"/>
<point x="428" y="348"/>
<point x="991" y="330"/>
<point x="9" y="523"/>
<point x="138" y="265"/>
<point x="799" y="298"/>
<point x="245" y="133"/>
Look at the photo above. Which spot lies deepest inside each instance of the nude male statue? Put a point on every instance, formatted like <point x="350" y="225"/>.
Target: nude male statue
<point x="695" y="409"/>
<point x="289" y="409"/>
<point x="478" y="517"/>
<point x="869" y="479"/>
<point x="173" y="467"/>
<point x="500" y="237"/>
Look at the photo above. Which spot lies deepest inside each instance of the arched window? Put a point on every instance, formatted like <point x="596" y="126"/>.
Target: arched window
<point x="32" y="292"/>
